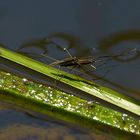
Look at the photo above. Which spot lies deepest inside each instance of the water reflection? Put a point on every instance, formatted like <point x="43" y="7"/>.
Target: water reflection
<point x="31" y="127"/>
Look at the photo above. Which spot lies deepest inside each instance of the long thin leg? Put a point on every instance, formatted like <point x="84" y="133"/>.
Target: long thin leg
<point x="51" y="58"/>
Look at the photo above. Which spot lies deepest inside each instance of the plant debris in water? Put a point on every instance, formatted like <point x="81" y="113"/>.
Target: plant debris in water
<point x="47" y="95"/>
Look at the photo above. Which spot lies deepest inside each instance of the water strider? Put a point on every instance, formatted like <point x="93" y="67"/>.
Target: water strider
<point x="78" y="64"/>
<point x="73" y="62"/>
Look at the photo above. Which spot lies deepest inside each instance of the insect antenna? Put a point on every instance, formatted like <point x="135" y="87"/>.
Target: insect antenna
<point x="65" y="49"/>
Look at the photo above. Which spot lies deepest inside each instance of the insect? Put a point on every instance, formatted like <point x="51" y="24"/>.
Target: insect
<point x="83" y="65"/>
<point x="73" y="61"/>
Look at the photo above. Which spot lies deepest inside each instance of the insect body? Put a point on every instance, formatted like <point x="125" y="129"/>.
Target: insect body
<point x="73" y="61"/>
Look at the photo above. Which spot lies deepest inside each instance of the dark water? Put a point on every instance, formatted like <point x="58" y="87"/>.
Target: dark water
<point x="92" y="26"/>
<point x="17" y="125"/>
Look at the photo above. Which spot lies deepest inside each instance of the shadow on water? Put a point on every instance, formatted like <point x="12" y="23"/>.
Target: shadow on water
<point x="111" y="41"/>
<point x="59" y="41"/>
